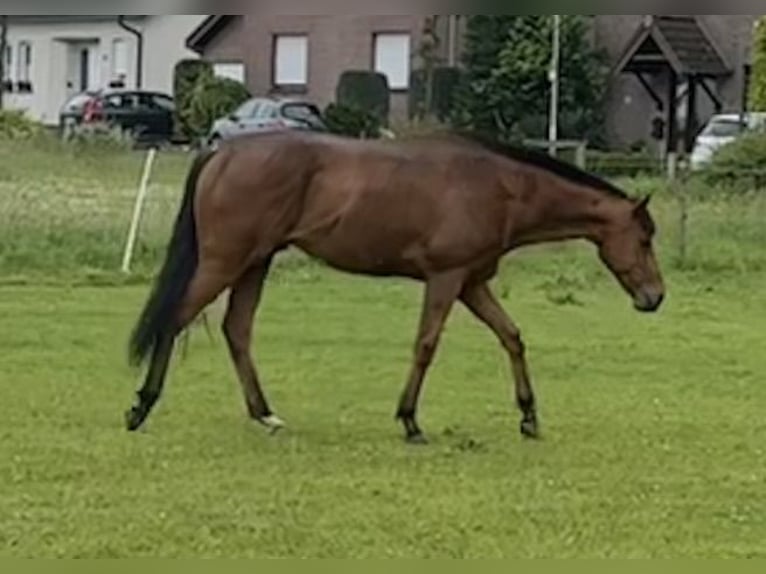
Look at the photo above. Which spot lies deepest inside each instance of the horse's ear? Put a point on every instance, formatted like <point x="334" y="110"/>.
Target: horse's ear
<point x="643" y="204"/>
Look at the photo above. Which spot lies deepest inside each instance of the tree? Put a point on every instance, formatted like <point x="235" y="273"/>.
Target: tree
<point x="506" y="91"/>
<point x="757" y="96"/>
<point x="429" y="56"/>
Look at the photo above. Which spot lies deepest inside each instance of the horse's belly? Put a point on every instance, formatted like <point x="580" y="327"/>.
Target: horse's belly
<point x="368" y="250"/>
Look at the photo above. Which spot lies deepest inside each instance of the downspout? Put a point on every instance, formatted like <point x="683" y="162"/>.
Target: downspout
<point x="3" y="45"/>
<point x="139" y="49"/>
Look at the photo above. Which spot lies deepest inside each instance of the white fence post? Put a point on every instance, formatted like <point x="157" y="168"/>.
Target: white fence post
<point x="138" y="209"/>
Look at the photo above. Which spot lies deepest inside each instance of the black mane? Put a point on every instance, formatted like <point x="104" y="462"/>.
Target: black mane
<point x="543" y="161"/>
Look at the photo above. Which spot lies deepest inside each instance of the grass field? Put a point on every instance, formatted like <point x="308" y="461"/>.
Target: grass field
<point x="654" y="427"/>
<point x="654" y="430"/>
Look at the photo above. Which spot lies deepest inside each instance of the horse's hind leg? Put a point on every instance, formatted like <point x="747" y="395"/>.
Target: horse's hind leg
<point x="238" y="328"/>
<point x="155" y="377"/>
<point x="206" y="285"/>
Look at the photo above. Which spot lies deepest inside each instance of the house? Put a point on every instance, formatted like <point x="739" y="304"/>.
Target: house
<point x="50" y="58"/>
<point x="703" y="59"/>
<point x="700" y="63"/>
<point x="292" y="54"/>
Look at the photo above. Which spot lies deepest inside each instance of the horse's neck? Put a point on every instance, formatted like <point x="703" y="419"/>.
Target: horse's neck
<point x="565" y="212"/>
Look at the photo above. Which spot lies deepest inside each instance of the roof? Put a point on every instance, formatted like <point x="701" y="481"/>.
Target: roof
<point x="678" y="41"/>
<point x="67" y="19"/>
<point x="206" y="31"/>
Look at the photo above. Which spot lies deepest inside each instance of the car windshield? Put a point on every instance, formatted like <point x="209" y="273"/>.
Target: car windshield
<point x="723" y="128"/>
<point x="248" y="109"/>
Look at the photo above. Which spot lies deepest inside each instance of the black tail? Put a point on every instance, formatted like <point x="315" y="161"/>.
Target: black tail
<point x="177" y="272"/>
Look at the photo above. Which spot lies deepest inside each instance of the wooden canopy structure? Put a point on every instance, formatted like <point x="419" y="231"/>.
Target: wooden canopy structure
<point x="679" y="48"/>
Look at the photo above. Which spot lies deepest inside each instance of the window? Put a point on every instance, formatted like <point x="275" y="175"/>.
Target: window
<point x="120" y="59"/>
<point x="231" y="70"/>
<point x="291" y="61"/>
<point x="723" y="128"/>
<point x="268" y="111"/>
<point x="163" y="103"/>
<point x="248" y="109"/>
<point x="24" y="70"/>
<point x="125" y="101"/>
<point x="392" y="58"/>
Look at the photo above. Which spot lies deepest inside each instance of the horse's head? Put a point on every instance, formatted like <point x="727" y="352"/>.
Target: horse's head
<point x="626" y="249"/>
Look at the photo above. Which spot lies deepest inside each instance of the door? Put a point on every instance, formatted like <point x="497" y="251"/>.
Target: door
<point x="155" y="113"/>
<point x="82" y="68"/>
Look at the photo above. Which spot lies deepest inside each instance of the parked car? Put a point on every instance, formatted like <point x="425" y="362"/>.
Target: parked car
<point x="723" y="129"/>
<point x="149" y="116"/>
<point x="268" y="114"/>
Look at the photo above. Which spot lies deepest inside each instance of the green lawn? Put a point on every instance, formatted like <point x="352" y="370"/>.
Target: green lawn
<point x="654" y="426"/>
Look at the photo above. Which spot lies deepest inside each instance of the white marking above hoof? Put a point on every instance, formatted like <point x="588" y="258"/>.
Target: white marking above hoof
<point x="273" y="423"/>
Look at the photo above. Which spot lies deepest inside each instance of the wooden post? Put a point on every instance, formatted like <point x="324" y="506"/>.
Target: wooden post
<point x="672" y="131"/>
<point x="581" y="155"/>
<point x="683" y="216"/>
<point x="691" y="115"/>
<point x="138" y="209"/>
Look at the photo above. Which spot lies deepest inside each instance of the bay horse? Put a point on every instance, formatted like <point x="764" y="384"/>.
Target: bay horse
<point x="441" y="210"/>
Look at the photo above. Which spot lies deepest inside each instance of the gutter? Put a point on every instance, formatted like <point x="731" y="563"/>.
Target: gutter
<point x="139" y="49"/>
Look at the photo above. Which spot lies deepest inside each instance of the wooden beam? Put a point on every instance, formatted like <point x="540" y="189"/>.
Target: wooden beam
<point x="691" y="114"/>
<point x="654" y="95"/>
<point x="671" y="133"/>
<point x="716" y="101"/>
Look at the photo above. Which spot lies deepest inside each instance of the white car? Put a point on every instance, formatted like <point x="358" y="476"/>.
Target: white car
<point x="721" y="130"/>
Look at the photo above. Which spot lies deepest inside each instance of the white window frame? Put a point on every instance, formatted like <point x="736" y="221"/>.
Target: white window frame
<point x="120" y="68"/>
<point x="392" y="57"/>
<point x="24" y="62"/>
<point x="290" y="69"/>
<point x="8" y="60"/>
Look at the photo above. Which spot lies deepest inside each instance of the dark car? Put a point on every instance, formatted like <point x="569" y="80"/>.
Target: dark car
<point x="268" y="114"/>
<point x="148" y="116"/>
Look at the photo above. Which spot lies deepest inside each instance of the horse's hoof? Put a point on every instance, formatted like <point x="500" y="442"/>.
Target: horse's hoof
<point x="272" y="423"/>
<point x="133" y="419"/>
<point x="530" y="430"/>
<point x="418" y="439"/>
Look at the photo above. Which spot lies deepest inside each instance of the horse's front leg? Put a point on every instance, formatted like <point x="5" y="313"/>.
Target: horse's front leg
<point x="482" y="303"/>
<point x="441" y="293"/>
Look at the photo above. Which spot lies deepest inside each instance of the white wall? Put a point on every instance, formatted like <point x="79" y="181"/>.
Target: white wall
<point x="164" y="46"/>
<point x="52" y="58"/>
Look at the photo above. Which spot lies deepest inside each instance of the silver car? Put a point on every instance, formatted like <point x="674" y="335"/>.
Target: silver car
<point x="267" y="114"/>
<point x="722" y="129"/>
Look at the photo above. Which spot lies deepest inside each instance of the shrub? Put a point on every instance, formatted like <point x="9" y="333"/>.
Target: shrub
<point x="14" y="125"/>
<point x="99" y="138"/>
<point x="445" y="83"/>
<point x="740" y="162"/>
<point x="352" y="121"/>
<point x="757" y="96"/>
<point x="623" y="164"/>
<point x="364" y="90"/>
<point x="212" y="98"/>
<point x="186" y="75"/>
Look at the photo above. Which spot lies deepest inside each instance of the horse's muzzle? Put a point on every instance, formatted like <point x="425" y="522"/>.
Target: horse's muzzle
<point x="647" y="302"/>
